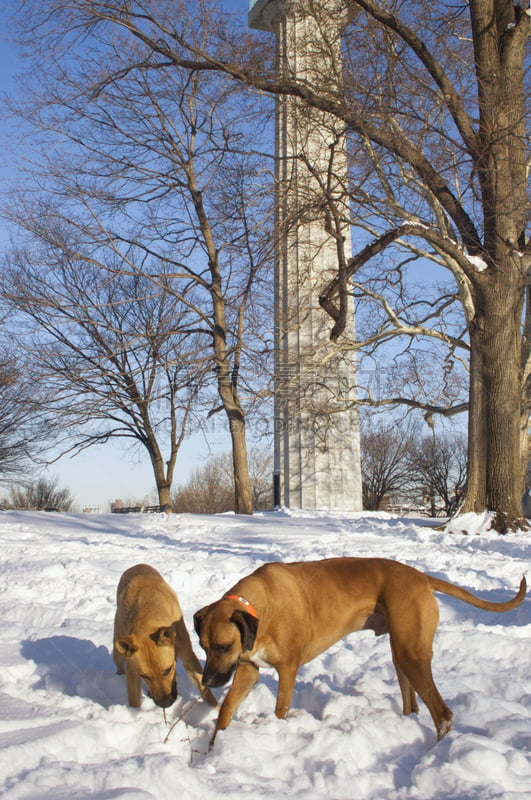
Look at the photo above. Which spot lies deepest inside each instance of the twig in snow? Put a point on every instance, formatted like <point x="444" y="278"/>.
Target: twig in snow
<point x="181" y="717"/>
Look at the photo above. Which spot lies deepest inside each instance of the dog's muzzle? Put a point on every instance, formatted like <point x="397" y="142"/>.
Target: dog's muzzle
<point x="213" y="679"/>
<point x="166" y="700"/>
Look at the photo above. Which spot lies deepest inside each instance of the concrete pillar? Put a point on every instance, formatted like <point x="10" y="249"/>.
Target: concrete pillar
<point x="317" y="453"/>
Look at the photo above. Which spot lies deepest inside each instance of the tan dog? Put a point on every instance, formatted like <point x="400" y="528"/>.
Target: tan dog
<point x="149" y="637"/>
<point x="284" y="615"/>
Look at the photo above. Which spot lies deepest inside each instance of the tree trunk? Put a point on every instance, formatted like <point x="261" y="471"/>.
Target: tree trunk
<point x="228" y="392"/>
<point x="227" y="379"/>
<point x="243" y="495"/>
<point x="525" y="409"/>
<point x="163" y="481"/>
<point x="165" y="497"/>
<point x="494" y="468"/>
<point x="475" y="499"/>
<point x="499" y="33"/>
<point x="501" y="361"/>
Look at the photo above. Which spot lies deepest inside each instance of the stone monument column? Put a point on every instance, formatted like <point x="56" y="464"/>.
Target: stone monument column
<point x="317" y="452"/>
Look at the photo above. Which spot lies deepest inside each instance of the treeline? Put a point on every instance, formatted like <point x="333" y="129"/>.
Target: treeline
<point x="42" y="494"/>
<point x="404" y="469"/>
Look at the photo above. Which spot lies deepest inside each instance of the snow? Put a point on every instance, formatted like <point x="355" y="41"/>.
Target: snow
<point x="479" y="263"/>
<point x="65" y="731"/>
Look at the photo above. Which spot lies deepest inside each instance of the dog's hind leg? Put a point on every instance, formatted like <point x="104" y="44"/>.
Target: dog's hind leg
<point x="409" y="696"/>
<point x="413" y="662"/>
<point x="418" y="672"/>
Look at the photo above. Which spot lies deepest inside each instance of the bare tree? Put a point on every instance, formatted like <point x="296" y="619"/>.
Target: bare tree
<point x="14" y="441"/>
<point x="403" y="466"/>
<point x="461" y="145"/>
<point x="25" y="430"/>
<point x="438" y="469"/>
<point x="43" y="494"/>
<point x="261" y="472"/>
<point x="112" y="349"/>
<point x="385" y="453"/>
<point x="151" y="166"/>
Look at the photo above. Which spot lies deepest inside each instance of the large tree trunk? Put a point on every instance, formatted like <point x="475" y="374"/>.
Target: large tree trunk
<point x="525" y="408"/>
<point x="501" y="361"/>
<point x="494" y="466"/>
<point x="499" y="45"/>
<point x="475" y="498"/>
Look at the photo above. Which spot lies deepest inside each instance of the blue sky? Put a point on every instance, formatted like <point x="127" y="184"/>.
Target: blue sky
<point x="8" y="68"/>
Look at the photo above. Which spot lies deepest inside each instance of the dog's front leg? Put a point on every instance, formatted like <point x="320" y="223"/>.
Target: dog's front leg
<point x="134" y="688"/>
<point x="245" y="677"/>
<point x="286" y="683"/>
<point x="119" y="660"/>
<point x="194" y="672"/>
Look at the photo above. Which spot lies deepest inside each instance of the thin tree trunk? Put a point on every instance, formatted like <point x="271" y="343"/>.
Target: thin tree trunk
<point x="228" y="392"/>
<point x="165" y="497"/>
<point x="243" y="495"/>
<point x="227" y="382"/>
<point x="163" y="480"/>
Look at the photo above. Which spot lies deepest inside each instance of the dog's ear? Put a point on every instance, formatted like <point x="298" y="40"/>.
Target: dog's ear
<point x="198" y="619"/>
<point x="247" y="625"/>
<point x="126" y="645"/>
<point x="163" y="637"/>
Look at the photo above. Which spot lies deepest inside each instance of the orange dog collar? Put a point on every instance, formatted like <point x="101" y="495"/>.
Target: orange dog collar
<point x="248" y="607"/>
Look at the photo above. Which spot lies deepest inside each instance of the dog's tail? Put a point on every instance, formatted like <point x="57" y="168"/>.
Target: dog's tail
<point x="444" y="587"/>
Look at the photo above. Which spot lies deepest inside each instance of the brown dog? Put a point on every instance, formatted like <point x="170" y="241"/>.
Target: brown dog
<point x="149" y="637"/>
<point x="284" y="615"/>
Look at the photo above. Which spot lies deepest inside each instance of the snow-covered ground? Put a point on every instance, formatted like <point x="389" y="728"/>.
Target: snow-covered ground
<point x="65" y="731"/>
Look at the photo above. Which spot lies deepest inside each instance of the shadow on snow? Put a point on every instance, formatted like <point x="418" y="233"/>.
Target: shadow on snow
<point x="76" y="667"/>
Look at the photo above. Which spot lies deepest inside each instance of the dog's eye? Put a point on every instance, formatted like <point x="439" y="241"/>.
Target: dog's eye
<point x="221" y="648"/>
<point x="145" y="678"/>
<point x="167" y="672"/>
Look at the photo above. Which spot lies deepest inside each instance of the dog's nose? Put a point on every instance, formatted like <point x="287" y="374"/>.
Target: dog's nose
<point x="213" y="680"/>
<point x="166" y="701"/>
<point x="208" y="677"/>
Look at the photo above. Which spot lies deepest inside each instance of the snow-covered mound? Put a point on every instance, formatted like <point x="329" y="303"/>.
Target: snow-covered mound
<point x="65" y="731"/>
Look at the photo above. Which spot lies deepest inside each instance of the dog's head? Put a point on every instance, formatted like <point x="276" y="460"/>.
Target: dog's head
<point x="152" y="658"/>
<point x="225" y="631"/>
